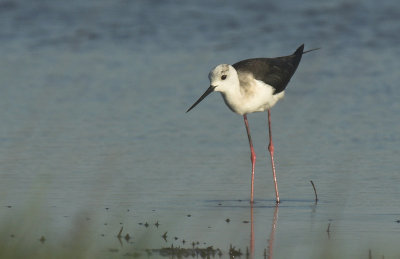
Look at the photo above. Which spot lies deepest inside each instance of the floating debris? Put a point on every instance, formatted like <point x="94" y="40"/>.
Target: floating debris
<point x="188" y="215"/>
<point x="164" y="236"/>
<point x="228" y="220"/>
<point x="178" y="252"/>
<point x="233" y="252"/>
<point x="127" y="237"/>
<point x="245" y="221"/>
<point x="42" y="239"/>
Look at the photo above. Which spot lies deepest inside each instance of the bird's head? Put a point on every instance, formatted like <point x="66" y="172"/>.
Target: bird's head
<point x="222" y="78"/>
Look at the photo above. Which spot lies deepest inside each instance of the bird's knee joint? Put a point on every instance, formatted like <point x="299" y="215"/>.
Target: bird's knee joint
<point x="253" y="157"/>
<point x="271" y="148"/>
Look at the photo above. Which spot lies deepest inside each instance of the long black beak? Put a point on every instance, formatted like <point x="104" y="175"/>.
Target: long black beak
<point x="209" y="90"/>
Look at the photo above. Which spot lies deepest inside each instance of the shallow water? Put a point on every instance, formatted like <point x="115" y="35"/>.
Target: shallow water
<point x="94" y="132"/>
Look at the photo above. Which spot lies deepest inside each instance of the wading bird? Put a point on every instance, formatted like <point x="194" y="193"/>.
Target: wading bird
<point x="254" y="85"/>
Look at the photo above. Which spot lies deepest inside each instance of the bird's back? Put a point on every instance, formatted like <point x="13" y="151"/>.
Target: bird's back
<point x="275" y="72"/>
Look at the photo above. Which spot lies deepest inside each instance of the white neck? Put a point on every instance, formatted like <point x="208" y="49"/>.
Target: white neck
<point x="232" y="94"/>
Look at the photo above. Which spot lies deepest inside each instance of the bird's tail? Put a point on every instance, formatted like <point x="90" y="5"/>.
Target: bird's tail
<point x="310" y="50"/>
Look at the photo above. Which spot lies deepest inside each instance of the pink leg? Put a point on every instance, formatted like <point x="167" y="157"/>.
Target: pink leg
<point x="253" y="158"/>
<point x="271" y="152"/>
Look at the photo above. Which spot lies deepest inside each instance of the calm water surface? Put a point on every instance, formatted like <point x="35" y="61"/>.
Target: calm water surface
<point x="94" y="134"/>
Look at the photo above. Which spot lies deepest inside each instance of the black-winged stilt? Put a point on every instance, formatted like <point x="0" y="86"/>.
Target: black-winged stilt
<point x="254" y="85"/>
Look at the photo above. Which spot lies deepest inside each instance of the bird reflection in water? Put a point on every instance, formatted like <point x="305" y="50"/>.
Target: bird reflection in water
<point x="269" y="252"/>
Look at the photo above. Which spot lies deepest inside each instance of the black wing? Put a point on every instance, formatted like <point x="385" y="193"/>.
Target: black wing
<point x="273" y="71"/>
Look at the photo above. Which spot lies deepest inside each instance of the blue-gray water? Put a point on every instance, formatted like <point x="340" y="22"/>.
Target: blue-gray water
<point x="94" y="134"/>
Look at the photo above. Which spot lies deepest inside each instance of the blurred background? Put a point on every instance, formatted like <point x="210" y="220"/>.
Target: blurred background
<point x="94" y="134"/>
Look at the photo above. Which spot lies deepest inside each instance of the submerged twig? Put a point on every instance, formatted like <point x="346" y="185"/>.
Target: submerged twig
<point x="328" y="230"/>
<point x="120" y="232"/>
<point x="120" y="235"/>
<point x="315" y="191"/>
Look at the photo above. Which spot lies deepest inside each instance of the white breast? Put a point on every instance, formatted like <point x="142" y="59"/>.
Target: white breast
<point x="254" y="96"/>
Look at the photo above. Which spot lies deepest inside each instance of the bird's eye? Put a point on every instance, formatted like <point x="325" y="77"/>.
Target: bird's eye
<point x="223" y="77"/>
